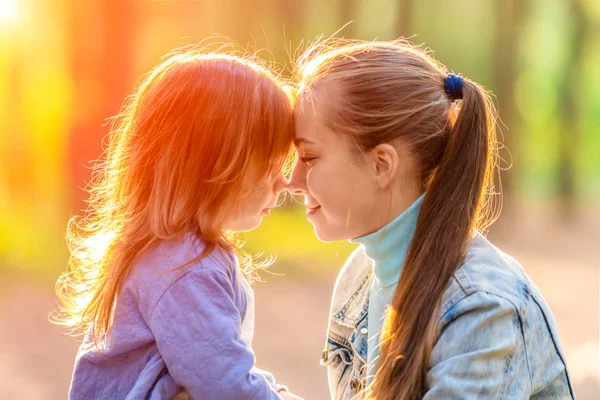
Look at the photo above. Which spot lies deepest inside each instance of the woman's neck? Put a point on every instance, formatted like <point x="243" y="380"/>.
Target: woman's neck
<point x="388" y="246"/>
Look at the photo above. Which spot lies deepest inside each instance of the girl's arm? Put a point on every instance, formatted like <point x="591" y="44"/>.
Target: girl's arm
<point x="281" y="389"/>
<point x="270" y="378"/>
<point x="196" y="325"/>
<point x="480" y="352"/>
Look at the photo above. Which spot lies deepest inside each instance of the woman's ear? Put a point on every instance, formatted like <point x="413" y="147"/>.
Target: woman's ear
<point x="384" y="160"/>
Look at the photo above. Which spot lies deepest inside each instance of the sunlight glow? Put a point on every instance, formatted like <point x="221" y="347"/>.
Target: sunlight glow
<point x="8" y="10"/>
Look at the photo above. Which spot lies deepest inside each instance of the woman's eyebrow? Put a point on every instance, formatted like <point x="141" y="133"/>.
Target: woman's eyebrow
<point x="301" y="140"/>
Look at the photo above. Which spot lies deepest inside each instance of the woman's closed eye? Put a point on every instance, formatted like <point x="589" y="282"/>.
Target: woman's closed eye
<point x="307" y="159"/>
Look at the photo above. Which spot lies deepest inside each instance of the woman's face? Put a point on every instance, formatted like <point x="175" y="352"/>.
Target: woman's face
<point x="340" y="192"/>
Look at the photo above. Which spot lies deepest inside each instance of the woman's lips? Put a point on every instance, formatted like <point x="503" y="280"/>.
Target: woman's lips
<point x="311" y="210"/>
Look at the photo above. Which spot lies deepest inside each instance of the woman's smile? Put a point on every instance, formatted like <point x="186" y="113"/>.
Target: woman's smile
<point x="310" y="211"/>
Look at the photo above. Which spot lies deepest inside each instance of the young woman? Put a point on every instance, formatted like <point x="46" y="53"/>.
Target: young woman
<point x="398" y="155"/>
<point x="155" y="282"/>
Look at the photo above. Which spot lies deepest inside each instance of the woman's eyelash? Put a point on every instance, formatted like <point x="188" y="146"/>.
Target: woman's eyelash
<point x="307" y="159"/>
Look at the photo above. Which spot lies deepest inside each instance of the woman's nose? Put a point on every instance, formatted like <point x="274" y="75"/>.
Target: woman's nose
<point x="297" y="182"/>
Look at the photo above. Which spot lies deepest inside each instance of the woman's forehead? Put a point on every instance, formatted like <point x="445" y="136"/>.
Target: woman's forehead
<point x="313" y="114"/>
<point x="313" y="133"/>
<point x="309" y="123"/>
<point x="315" y="99"/>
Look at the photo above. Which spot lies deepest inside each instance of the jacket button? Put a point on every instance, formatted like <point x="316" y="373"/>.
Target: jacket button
<point x="364" y="331"/>
<point x="354" y="385"/>
<point x="324" y="355"/>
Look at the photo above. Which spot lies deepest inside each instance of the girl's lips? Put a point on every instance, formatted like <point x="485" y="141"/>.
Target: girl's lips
<point x="267" y="210"/>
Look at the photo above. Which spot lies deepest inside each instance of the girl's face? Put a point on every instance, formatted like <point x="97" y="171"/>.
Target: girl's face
<point x="338" y="184"/>
<point x="258" y="199"/>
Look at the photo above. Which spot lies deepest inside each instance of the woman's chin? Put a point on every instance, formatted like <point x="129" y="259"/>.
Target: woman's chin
<point x="327" y="235"/>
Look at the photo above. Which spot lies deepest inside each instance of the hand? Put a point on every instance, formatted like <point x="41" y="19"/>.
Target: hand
<point x="181" y="396"/>
<point x="288" y="396"/>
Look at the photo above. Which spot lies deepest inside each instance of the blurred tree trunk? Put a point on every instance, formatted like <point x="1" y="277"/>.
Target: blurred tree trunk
<point x="102" y="35"/>
<point x="405" y="25"/>
<point x="347" y="12"/>
<point x="510" y="17"/>
<point x="568" y="98"/>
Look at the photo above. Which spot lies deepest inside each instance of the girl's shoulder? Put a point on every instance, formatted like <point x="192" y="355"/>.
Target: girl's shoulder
<point x="183" y="254"/>
<point x="157" y="268"/>
<point x="170" y="262"/>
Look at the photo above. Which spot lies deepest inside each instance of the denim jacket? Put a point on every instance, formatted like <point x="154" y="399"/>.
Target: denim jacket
<point x="496" y="336"/>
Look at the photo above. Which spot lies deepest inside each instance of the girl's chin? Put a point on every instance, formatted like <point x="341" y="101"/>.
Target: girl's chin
<point x="255" y="224"/>
<point x="247" y="226"/>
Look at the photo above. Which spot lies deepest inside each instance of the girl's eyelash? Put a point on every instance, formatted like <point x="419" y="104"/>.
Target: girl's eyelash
<point x="307" y="159"/>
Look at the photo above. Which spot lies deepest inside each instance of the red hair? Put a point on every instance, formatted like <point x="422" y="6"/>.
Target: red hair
<point x="198" y="125"/>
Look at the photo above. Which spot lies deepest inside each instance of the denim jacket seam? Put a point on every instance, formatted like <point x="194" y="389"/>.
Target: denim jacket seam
<point x="340" y="321"/>
<point x="555" y="346"/>
<point x="509" y="361"/>
<point x="473" y="290"/>
<point x="518" y="317"/>
<point x="466" y="295"/>
<point x="522" y="314"/>
<point x="355" y="352"/>
<point x="453" y="300"/>
<point x="459" y="283"/>
<point x="337" y="339"/>
<point x="463" y="282"/>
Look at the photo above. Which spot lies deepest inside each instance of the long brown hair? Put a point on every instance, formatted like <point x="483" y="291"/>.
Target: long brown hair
<point x="395" y="90"/>
<point x="178" y="153"/>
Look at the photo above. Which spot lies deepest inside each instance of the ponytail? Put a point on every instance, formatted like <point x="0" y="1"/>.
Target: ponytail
<point x="446" y="223"/>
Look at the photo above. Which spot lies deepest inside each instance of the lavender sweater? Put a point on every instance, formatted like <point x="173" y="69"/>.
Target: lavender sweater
<point x="174" y="329"/>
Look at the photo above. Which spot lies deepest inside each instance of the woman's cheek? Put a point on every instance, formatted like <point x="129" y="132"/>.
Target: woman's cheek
<point x="324" y="186"/>
<point x="320" y="182"/>
<point x="312" y="183"/>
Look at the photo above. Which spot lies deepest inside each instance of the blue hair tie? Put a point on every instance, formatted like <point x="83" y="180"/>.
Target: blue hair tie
<point x="453" y="86"/>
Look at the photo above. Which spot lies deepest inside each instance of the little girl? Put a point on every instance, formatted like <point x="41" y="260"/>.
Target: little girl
<point x="154" y="281"/>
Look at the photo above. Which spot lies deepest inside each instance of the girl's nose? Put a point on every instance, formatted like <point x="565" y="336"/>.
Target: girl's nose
<point x="281" y="184"/>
